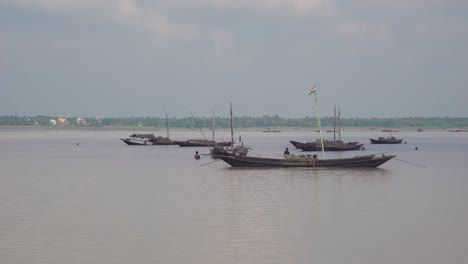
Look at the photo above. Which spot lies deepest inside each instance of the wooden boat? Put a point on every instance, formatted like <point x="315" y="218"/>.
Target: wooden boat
<point x="328" y="145"/>
<point x="230" y="150"/>
<point x="147" y="139"/>
<point x="201" y="143"/>
<point x="163" y="141"/>
<point x="135" y="141"/>
<point x="235" y="151"/>
<point x="388" y="140"/>
<point x="367" y="161"/>
<point x="293" y="161"/>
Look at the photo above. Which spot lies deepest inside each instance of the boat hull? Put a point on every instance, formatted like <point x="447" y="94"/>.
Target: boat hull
<point x="136" y="143"/>
<point x="309" y="146"/>
<point x="369" y="161"/>
<point x="385" y="141"/>
<point x="196" y="144"/>
<point x="164" y="143"/>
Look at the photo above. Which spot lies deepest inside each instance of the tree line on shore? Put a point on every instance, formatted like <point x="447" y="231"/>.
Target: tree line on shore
<point x="241" y="122"/>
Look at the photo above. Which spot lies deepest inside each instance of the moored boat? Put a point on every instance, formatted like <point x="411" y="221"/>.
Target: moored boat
<point x="328" y="145"/>
<point x="388" y="140"/>
<point x="367" y="161"/>
<point x="202" y="143"/>
<point x="146" y="139"/>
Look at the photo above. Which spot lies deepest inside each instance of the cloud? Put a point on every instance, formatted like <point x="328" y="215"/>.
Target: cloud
<point x="299" y="6"/>
<point x="147" y="18"/>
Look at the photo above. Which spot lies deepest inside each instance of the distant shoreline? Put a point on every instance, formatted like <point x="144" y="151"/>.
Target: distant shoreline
<point x="154" y="129"/>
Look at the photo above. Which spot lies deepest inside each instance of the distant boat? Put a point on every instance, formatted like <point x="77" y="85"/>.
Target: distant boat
<point x="149" y="139"/>
<point x="146" y="139"/>
<point x="269" y="130"/>
<point x="329" y="145"/>
<point x="202" y="143"/>
<point x="139" y="139"/>
<point x="387" y="140"/>
<point x="459" y="130"/>
<point x="230" y="150"/>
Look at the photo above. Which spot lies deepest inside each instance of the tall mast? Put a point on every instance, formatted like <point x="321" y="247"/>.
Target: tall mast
<point x="334" y="124"/>
<point x="339" y="123"/>
<point x="213" y="128"/>
<point x="232" y="129"/>
<point x="167" y="124"/>
<point x="390" y="127"/>
<point x="318" y="122"/>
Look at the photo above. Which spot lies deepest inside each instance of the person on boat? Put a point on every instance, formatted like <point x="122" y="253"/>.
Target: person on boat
<point x="313" y="160"/>
<point x="286" y="152"/>
<point x="197" y="156"/>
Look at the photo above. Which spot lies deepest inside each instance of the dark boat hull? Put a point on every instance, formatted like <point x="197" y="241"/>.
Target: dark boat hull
<point x="195" y="144"/>
<point x="164" y="143"/>
<point x="309" y="146"/>
<point x="134" y="143"/>
<point x="369" y="161"/>
<point x="385" y="141"/>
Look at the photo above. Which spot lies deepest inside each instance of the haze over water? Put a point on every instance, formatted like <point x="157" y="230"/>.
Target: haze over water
<point x="104" y="202"/>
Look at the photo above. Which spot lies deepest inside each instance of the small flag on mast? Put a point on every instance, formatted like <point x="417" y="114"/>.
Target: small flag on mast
<point x="312" y="90"/>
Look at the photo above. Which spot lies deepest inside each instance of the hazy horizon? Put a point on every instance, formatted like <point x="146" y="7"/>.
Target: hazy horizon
<point x="129" y="58"/>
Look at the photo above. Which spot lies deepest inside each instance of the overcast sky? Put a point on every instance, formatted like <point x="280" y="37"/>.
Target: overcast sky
<point x="373" y="58"/>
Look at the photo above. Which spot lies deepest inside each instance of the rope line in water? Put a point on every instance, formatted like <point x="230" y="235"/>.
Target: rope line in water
<point x="411" y="163"/>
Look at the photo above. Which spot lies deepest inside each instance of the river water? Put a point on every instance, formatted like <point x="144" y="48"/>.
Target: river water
<point x="86" y="197"/>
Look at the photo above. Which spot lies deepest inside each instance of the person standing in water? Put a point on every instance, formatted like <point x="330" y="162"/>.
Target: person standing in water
<point x="313" y="160"/>
<point x="197" y="156"/>
<point x="286" y="152"/>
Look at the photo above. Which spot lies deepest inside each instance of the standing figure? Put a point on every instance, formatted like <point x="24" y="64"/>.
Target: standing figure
<point x="313" y="160"/>
<point x="197" y="156"/>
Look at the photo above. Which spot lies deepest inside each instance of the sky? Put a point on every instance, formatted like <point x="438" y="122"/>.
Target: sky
<point x="123" y="58"/>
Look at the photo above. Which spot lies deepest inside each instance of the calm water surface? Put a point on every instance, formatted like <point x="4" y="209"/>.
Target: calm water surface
<point x="104" y="202"/>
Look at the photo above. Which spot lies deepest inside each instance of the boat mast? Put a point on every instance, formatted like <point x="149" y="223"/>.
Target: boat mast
<point x="167" y="124"/>
<point x="318" y="122"/>
<point x="339" y="123"/>
<point x="334" y="124"/>
<point x="213" y="128"/>
<point x="390" y="127"/>
<point x="232" y="129"/>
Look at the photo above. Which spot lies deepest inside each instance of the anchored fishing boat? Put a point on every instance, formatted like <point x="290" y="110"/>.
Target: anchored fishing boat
<point x="294" y="161"/>
<point x="230" y="150"/>
<point x="149" y="139"/>
<point x="387" y="140"/>
<point x="329" y="145"/>
<point x="367" y="161"/>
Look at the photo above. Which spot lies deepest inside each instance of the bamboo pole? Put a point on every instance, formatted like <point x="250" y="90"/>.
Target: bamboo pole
<point x="318" y="122"/>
